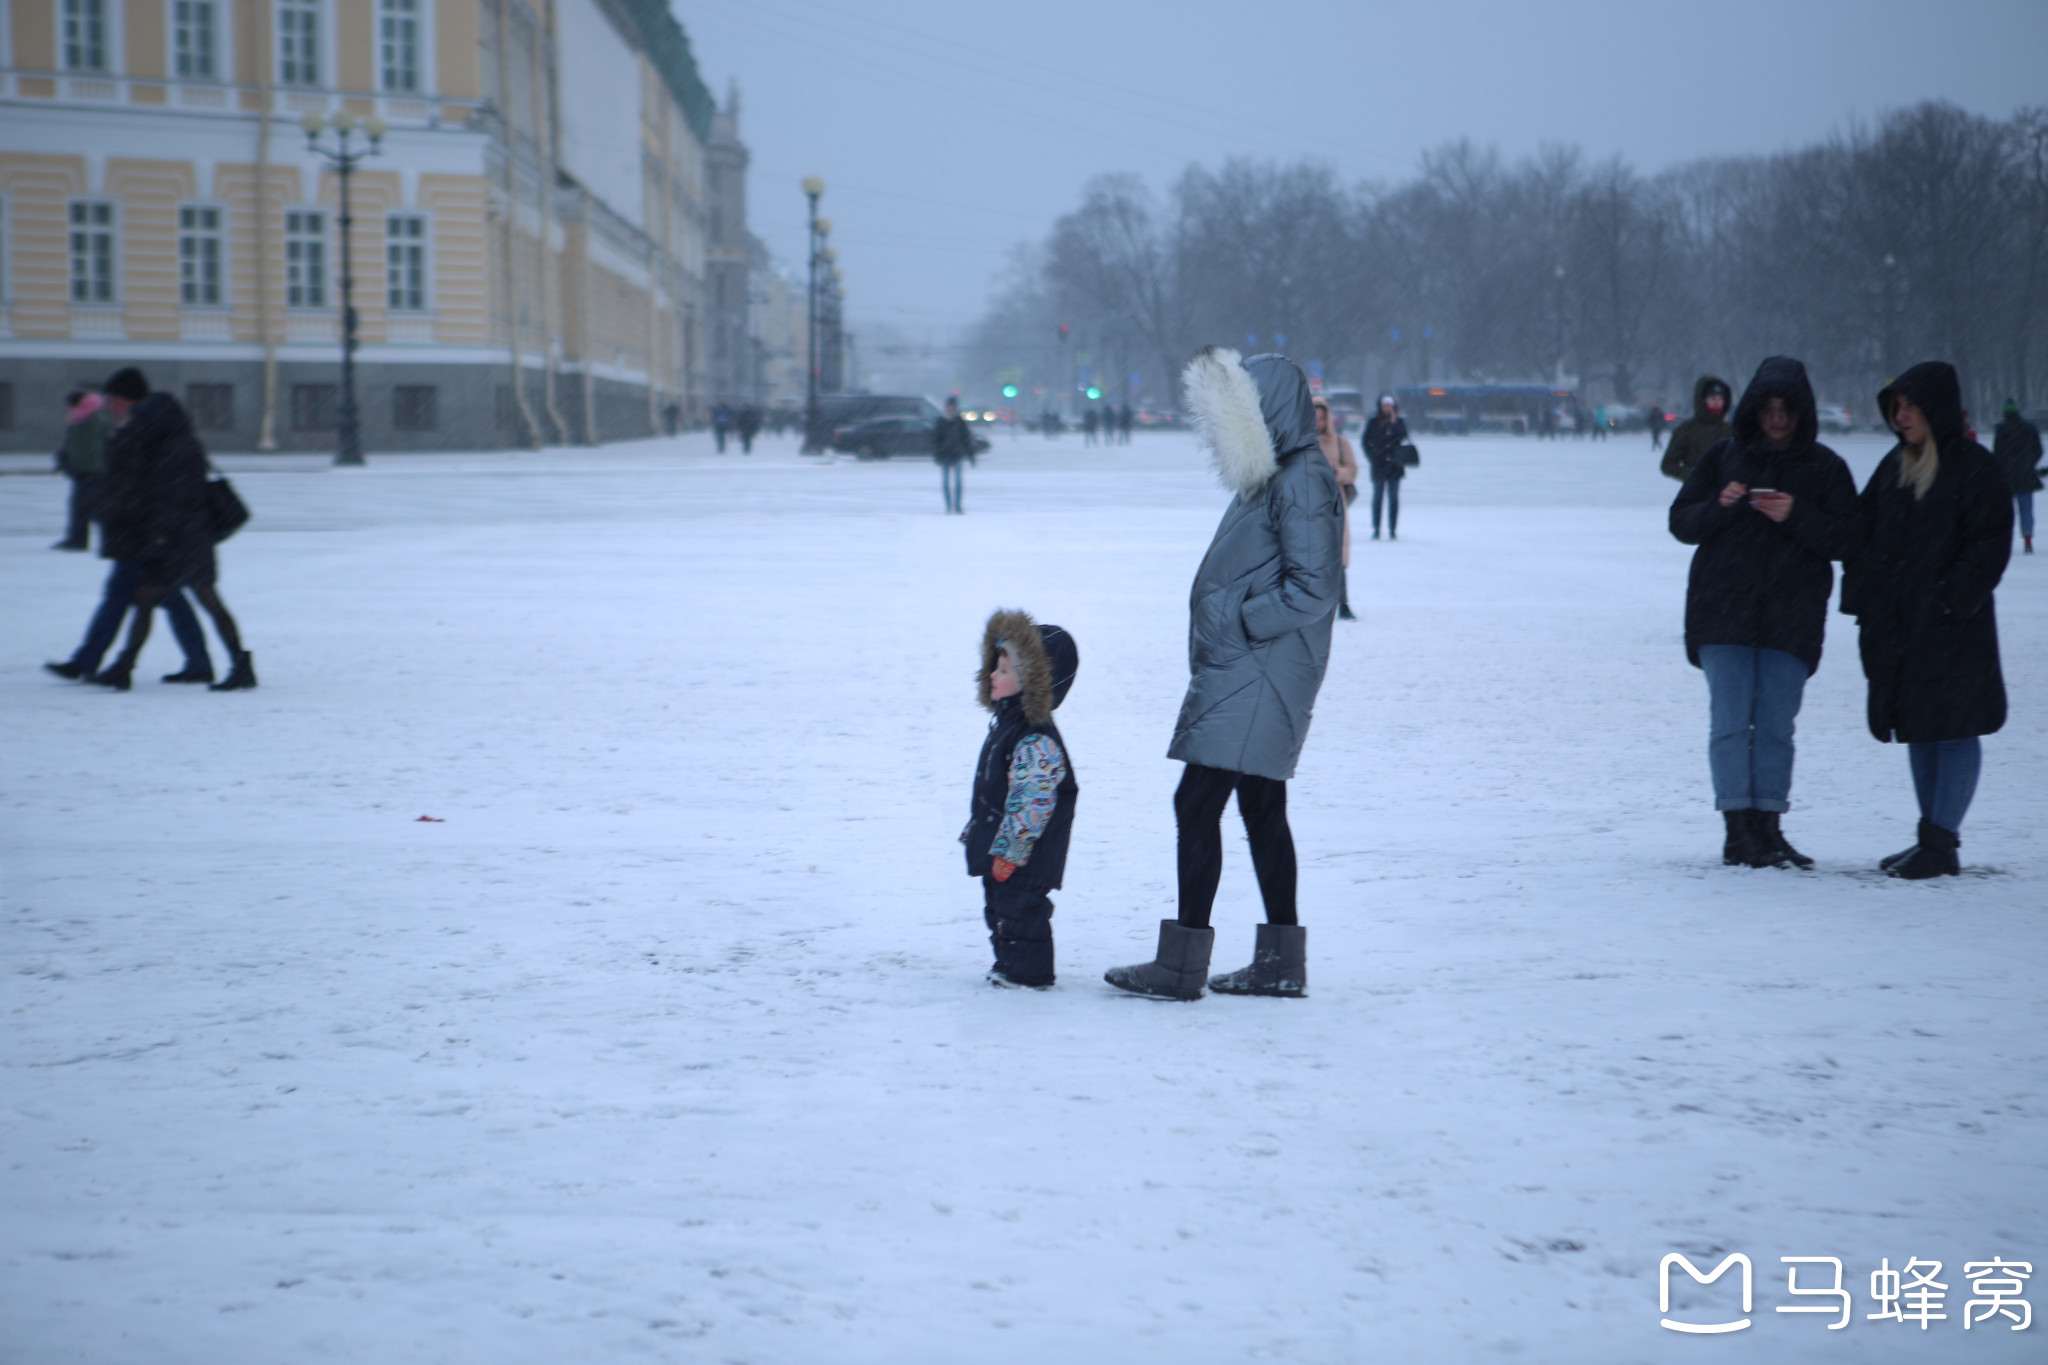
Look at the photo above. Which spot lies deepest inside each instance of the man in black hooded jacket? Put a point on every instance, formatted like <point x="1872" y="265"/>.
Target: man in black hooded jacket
<point x="1769" y="508"/>
<point x="1708" y="424"/>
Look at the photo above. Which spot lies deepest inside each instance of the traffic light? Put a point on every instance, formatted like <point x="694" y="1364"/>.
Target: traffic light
<point x="1093" y="393"/>
<point x="1009" y="390"/>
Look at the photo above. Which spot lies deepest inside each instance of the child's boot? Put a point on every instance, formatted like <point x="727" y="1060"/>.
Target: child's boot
<point x="1279" y="965"/>
<point x="1179" y="969"/>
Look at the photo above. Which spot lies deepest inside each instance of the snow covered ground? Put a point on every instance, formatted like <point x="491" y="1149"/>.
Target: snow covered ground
<point x="670" y="1043"/>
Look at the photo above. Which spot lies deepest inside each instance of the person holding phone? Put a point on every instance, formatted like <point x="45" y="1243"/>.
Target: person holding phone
<point x="1770" y="508"/>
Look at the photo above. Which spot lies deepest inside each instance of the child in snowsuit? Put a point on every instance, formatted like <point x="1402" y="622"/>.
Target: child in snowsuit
<point x="1024" y="789"/>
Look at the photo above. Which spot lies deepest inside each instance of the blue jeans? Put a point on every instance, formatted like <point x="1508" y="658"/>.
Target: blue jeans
<point x="2025" y="503"/>
<point x="950" y="483"/>
<point x="1389" y="492"/>
<point x="1753" y="695"/>
<point x="1945" y="778"/>
<point x="118" y="596"/>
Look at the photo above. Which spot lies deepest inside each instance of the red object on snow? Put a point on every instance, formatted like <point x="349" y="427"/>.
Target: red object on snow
<point x="430" y="820"/>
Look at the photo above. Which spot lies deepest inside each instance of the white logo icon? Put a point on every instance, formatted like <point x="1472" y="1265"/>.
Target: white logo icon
<point x="1664" y="1291"/>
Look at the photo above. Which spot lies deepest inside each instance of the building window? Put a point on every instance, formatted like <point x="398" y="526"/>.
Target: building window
<point x="92" y="252"/>
<point x="405" y="262"/>
<point x="313" y="407"/>
<point x="398" y="44"/>
<point x="413" y="407"/>
<point x="212" y="406"/>
<point x="199" y="256"/>
<point x="305" y="258"/>
<point x="85" y="35"/>
<point x="194" y="38"/>
<point x="298" y="42"/>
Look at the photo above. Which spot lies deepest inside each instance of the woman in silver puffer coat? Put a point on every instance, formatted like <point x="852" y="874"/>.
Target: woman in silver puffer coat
<point x="1259" y="631"/>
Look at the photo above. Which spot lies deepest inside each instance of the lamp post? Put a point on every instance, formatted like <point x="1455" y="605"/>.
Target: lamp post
<point x="814" y="189"/>
<point x="344" y="162"/>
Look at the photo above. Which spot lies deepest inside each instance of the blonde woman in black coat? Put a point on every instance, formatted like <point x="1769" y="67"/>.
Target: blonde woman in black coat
<point x="1937" y="523"/>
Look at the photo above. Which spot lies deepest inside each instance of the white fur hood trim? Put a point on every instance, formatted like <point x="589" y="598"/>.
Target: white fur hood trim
<point x="1224" y="401"/>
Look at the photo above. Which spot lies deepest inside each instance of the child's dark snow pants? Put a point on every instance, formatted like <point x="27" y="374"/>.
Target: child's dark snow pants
<point x="1020" y="930"/>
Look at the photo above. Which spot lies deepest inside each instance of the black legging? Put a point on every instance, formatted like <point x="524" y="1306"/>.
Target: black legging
<point x="1198" y="813"/>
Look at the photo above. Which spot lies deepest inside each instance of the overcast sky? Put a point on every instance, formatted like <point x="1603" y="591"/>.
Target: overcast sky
<point x="946" y="133"/>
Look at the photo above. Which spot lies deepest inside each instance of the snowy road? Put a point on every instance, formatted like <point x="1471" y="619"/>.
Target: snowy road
<point x="671" y="1043"/>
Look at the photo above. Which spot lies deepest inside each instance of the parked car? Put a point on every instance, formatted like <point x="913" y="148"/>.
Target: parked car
<point x="837" y="411"/>
<point x="1834" y="417"/>
<point x="878" y="438"/>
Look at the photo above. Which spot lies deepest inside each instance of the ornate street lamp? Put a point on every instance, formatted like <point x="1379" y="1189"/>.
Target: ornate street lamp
<point x="344" y="162"/>
<point x="814" y="189"/>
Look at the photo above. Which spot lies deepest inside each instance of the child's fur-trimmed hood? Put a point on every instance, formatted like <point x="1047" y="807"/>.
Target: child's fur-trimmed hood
<point x="1045" y="658"/>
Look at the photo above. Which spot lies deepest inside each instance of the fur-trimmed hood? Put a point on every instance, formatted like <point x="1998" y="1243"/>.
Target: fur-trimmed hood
<point x="1252" y="414"/>
<point x="1045" y="658"/>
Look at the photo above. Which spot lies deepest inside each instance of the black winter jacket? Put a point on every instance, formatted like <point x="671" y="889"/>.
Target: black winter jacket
<point x="155" y="489"/>
<point x="1921" y="586"/>
<point x="1047" y="661"/>
<point x="952" y="442"/>
<point x="2018" y="448"/>
<point x="1755" y="582"/>
<point x="1697" y="434"/>
<point x="1383" y="442"/>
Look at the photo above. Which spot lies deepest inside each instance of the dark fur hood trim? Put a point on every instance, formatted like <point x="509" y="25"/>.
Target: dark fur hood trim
<point x="1044" y="656"/>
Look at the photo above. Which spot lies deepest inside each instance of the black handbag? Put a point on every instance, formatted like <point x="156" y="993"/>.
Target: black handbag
<point x="1410" y="456"/>
<point x="225" y="510"/>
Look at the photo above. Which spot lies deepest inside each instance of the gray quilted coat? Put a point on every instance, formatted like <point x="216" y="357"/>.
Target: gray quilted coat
<point x="1265" y="597"/>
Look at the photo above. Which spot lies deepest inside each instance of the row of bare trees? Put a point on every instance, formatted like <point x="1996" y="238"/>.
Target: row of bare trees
<point x="1924" y="235"/>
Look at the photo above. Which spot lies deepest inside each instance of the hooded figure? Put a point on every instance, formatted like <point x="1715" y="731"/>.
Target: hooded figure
<point x="1768" y="513"/>
<point x="1701" y="430"/>
<point x="2017" y="444"/>
<point x="1937" y="517"/>
<point x="1021" y="815"/>
<point x="1260" y="617"/>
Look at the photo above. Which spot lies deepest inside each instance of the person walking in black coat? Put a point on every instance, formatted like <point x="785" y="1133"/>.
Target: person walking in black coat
<point x="2017" y="444"/>
<point x="1937" y="525"/>
<point x="156" y="512"/>
<point x="1769" y="508"/>
<point x="952" y="443"/>
<point x="1384" y="436"/>
<point x="82" y="459"/>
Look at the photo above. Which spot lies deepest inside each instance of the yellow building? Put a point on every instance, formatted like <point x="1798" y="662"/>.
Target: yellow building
<point x="536" y="208"/>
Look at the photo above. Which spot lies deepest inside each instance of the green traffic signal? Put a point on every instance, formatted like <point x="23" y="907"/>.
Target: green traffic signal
<point x="1093" y="393"/>
<point x="1009" y="390"/>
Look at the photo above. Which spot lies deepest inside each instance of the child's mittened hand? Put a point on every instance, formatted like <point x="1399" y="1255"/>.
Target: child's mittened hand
<point x="1002" y="868"/>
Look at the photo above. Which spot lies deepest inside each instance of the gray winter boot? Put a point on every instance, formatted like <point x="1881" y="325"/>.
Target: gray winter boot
<point x="1279" y="965"/>
<point x="1179" y="969"/>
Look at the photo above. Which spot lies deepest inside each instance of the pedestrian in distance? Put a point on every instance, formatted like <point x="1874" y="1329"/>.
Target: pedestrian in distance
<point x="82" y="458"/>
<point x="1021" y="816"/>
<point x="1124" y="421"/>
<point x="2017" y="444"/>
<point x="721" y="423"/>
<point x="1692" y="437"/>
<point x="1770" y="508"/>
<point x="1937" y="535"/>
<point x="1090" y="423"/>
<point x="1344" y="464"/>
<point x="749" y="424"/>
<point x="1259" y="623"/>
<point x="157" y="512"/>
<point x="1386" y="445"/>
<point x="952" y="446"/>
<point x="1655" y="418"/>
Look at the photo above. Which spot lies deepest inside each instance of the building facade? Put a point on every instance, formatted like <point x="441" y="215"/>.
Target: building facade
<point x="529" y="245"/>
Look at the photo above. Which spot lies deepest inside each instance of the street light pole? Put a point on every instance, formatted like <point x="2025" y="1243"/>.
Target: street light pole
<point x="344" y="163"/>
<point x="814" y="188"/>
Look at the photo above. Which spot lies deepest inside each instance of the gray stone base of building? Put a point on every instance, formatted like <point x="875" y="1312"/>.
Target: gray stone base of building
<point x="400" y="408"/>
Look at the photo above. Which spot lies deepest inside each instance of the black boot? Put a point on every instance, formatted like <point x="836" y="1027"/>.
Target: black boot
<point x="120" y="677"/>
<point x="1179" y="969"/>
<point x="1887" y="864"/>
<point x="191" y="673"/>
<point x="1344" y="596"/>
<point x="241" y="677"/>
<point x="68" y="669"/>
<point x="1279" y="965"/>
<point x="1776" y="839"/>
<point x="1738" y="847"/>
<point x="1934" y="857"/>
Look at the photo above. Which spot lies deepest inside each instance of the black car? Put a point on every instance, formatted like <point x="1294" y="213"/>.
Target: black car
<point x="878" y="438"/>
